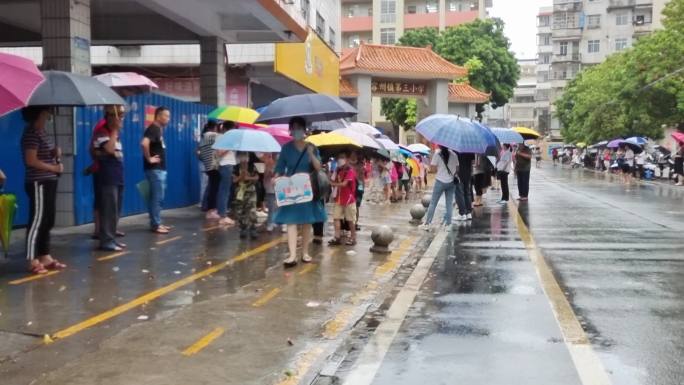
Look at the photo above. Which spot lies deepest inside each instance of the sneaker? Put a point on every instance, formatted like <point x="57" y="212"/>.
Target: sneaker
<point x="461" y="218"/>
<point x="283" y="228"/>
<point x="502" y="202"/>
<point x="212" y="214"/>
<point x="270" y="228"/>
<point x="469" y="216"/>
<point x="261" y="214"/>
<point x="425" y="227"/>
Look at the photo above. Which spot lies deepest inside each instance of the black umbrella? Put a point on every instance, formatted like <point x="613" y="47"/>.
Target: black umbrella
<point x="312" y="107"/>
<point x="66" y="89"/>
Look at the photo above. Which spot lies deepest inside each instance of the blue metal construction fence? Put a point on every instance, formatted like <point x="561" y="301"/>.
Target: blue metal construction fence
<point x="180" y="136"/>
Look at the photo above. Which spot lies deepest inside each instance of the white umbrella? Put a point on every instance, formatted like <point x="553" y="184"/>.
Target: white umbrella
<point x="364" y="128"/>
<point x="362" y="139"/>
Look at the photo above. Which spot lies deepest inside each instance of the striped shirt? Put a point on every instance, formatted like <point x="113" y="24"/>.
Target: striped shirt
<point x="43" y="144"/>
<point x="207" y="154"/>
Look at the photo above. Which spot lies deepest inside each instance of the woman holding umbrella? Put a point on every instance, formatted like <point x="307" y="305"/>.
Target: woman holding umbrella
<point x="298" y="156"/>
<point x="42" y="160"/>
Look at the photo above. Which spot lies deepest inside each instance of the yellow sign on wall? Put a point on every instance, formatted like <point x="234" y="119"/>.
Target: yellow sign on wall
<point x="312" y="64"/>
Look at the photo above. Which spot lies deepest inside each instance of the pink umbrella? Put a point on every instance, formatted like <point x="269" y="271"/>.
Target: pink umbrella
<point x="127" y="82"/>
<point x="679" y="136"/>
<point x="19" y="77"/>
<point x="279" y="132"/>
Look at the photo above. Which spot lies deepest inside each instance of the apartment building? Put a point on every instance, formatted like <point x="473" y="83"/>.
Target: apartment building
<point x="575" y="34"/>
<point x="384" y="21"/>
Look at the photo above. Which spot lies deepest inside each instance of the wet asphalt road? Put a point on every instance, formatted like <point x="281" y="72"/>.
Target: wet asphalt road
<point x="482" y="317"/>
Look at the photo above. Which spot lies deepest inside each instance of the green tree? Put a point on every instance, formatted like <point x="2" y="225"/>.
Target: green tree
<point x="420" y="37"/>
<point x="400" y="112"/>
<point x="634" y="92"/>
<point x="484" y="41"/>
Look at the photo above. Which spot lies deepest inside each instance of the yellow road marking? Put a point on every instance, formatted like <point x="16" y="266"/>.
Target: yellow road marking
<point x="112" y="256"/>
<point x="588" y="365"/>
<point x="169" y="240"/>
<point x="302" y="366"/>
<point x="307" y="269"/>
<point x="32" y="278"/>
<point x="266" y="297"/>
<point x="71" y="330"/>
<point x="203" y="342"/>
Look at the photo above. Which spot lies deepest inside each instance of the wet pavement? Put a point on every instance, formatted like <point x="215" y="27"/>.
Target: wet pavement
<point x="487" y="311"/>
<point x="583" y="281"/>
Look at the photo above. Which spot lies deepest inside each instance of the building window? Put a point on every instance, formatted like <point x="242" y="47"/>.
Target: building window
<point x="388" y="11"/>
<point x="331" y="38"/>
<point x="306" y="6"/>
<point x="622" y="18"/>
<point x="354" y="41"/>
<point x="431" y="7"/>
<point x="320" y="25"/>
<point x="594" y="46"/>
<point x="544" y="59"/>
<point x="593" y="21"/>
<point x="620" y="44"/>
<point x="411" y="9"/>
<point x="456" y="6"/>
<point x="545" y="39"/>
<point x="544" y="21"/>
<point x="387" y="36"/>
<point x="563" y="48"/>
<point x="351" y="11"/>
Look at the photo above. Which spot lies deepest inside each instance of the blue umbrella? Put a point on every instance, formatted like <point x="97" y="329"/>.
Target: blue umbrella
<point x="247" y="140"/>
<point x="638" y="140"/>
<point x="419" y="148"/>
<point x="508" y="136"/>
<point x="493" y="143"/>
<point x="453" y="132"/>
<point x="405" y="152"/>
<point x="312" y="107"/>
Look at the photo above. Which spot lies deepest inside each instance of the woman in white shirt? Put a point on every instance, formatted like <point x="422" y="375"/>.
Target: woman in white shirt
<point x="503" y="168"/>
<point x="445" y="163"/>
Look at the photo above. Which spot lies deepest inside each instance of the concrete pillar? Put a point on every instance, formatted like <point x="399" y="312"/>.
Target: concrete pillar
<point x="438" y="97"/>
<point x="442" y="14"/>
<point x="65" y="26"/>
<point x="362" y="83"/>
<point x="213" y="71"/>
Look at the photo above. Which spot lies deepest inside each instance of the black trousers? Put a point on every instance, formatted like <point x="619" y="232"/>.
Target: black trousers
<point x="464" y="194"/>
<point x="42" y="206"/>
<point x="109" y="211"/>
<point x="212" y="188"/>
<point x="503" y="178"/>
<point x="318" y="228"/>
<point x="523" y="183"/>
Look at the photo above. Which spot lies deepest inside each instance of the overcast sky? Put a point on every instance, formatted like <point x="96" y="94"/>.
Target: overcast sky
<point x="521" y="24"/>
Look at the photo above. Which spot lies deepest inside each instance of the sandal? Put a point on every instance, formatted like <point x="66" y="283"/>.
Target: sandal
<point x="120" y="234"/>
<point x="290" y="262"/>
<point x="55" y="265"/>
<point x="160" y="230"/>
<point x="334" y="242"/>
<point x="306" y="258"/>
<point x="38" y="269"/>
<point x="350" y="242"/>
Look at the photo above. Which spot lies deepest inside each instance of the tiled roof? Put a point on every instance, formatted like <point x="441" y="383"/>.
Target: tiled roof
<point x="397" y="60"/>
<point x="465" y="93"/>
<point x="347" y="90"/>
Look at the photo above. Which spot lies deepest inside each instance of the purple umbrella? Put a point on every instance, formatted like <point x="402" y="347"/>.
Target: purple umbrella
<point x="615" y="143"/>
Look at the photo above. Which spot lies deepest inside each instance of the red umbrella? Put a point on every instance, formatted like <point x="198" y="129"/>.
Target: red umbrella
<point x="19" y="78"/>
<point x="679" y="136"/>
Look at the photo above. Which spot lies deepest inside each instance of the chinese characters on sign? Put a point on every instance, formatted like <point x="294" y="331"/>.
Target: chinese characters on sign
<point x="397" y="87"/>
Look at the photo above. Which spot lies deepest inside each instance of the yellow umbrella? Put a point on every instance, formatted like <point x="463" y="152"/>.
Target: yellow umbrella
<point x="581" y="145"/>
<point x="332" y="139"/>
<point x="415" y="169"/>
<point x="234" y="114"/>
<point x="527" y="133"/>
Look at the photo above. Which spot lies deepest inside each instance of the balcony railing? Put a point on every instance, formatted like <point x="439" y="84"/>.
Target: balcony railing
<point x="574" y="56"/>
<point x="621" y="4"/>
<point x="568" y="7"/>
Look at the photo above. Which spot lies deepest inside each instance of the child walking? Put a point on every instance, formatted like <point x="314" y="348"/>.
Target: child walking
<point x="345" y="202"/>
<point x="245" y="176"/>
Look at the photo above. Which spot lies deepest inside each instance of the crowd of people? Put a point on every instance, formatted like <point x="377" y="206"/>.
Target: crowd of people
<point x="629" y="162"/>
<point x="463" y="179"/>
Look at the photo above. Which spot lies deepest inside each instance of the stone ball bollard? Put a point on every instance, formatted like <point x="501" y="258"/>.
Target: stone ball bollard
<point x="417" y="214"/>
<point x="382" y="237"/>
<point x="425" y="201"/>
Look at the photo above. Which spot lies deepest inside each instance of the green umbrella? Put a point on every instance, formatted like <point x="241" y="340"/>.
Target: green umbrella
<point x="8" y="209"/>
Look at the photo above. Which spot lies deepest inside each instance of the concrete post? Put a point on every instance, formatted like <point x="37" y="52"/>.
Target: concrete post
<point x="362" y="83"/>
<point x="438" y="96"/>
<point x="213" y="71"/>
<point x="65" y="28"/>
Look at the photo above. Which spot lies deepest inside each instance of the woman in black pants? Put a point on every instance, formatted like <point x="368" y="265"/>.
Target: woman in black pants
<point x="503" y="168"/>
<point x="211" y="168"/>
<point x="43" y="167"/>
